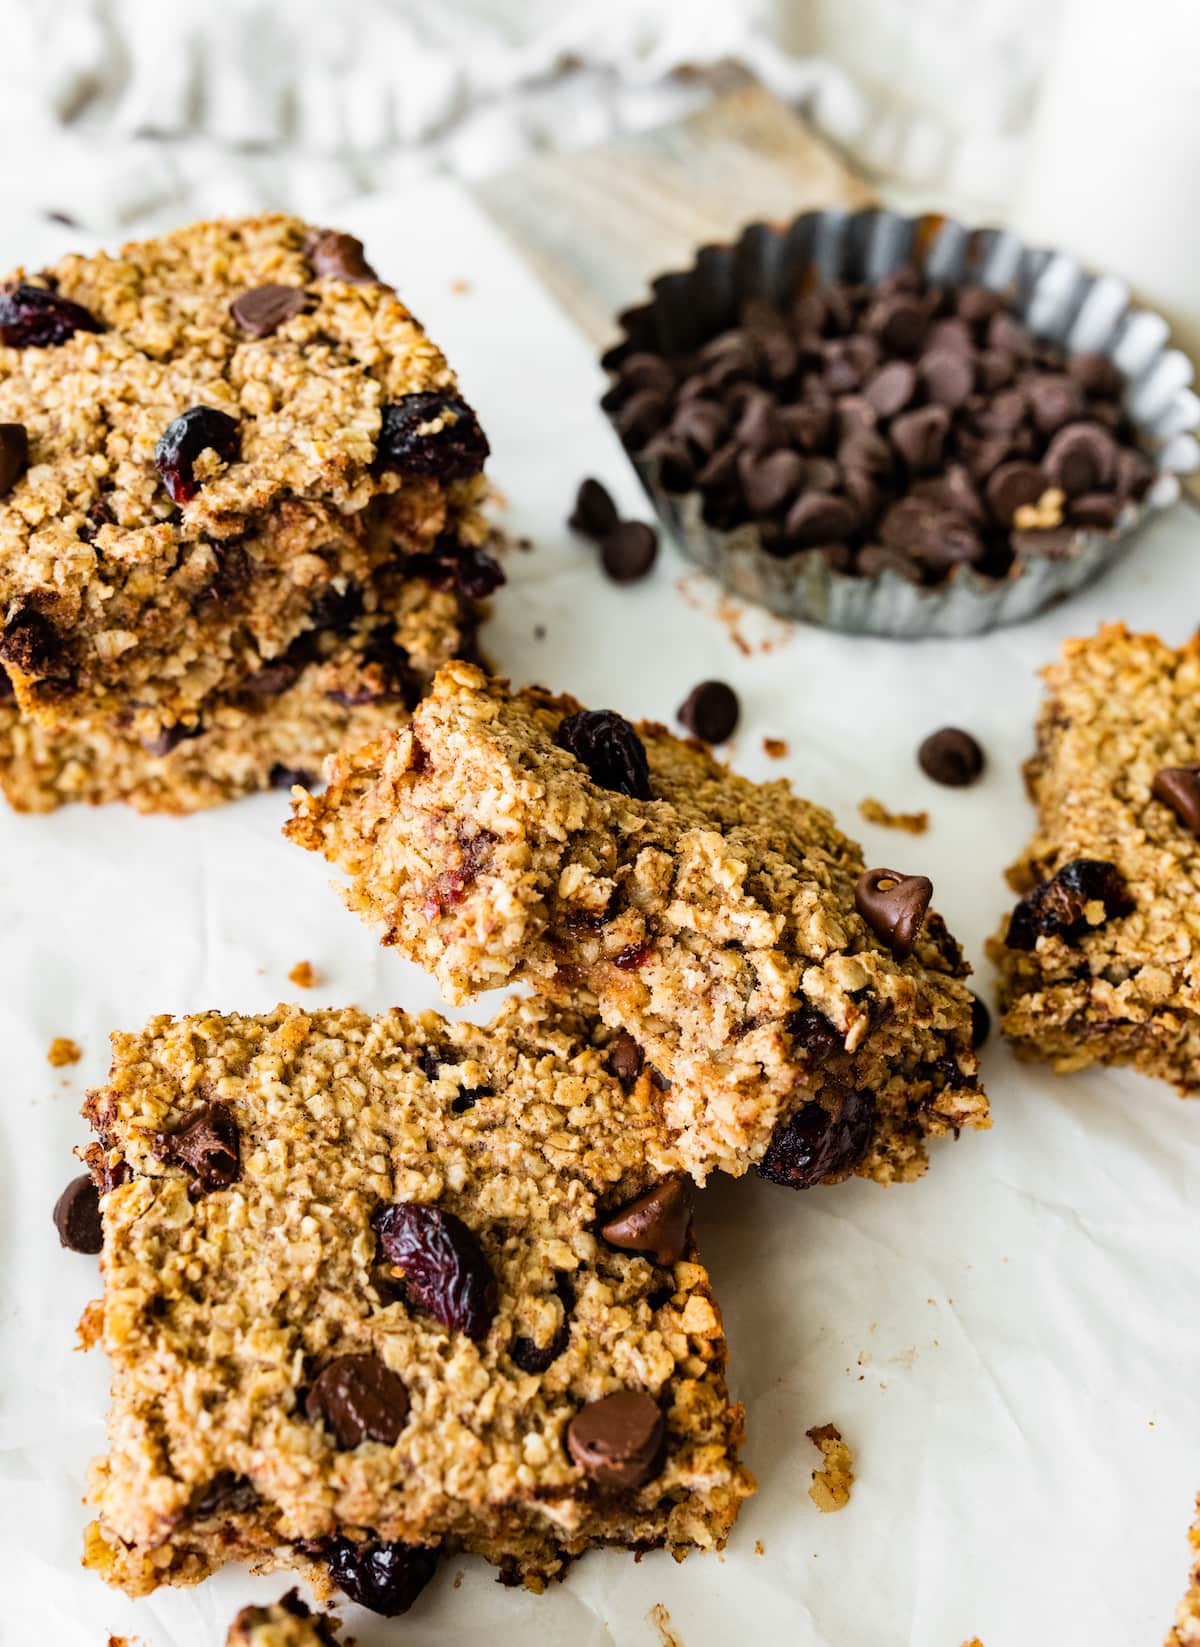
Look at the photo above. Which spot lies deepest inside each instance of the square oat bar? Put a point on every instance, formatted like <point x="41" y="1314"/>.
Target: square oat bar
<point x="792" y="1009"/>
<point x="202" y="439"/>
<point x="377" y="1287"/>
<point x="1100" y="960"/>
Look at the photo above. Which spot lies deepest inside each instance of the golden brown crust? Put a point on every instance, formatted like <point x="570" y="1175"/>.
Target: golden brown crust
<point x="1186" y="1631"/>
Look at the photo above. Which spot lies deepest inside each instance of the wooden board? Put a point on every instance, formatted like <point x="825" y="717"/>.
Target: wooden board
<point x="597" y="224"/>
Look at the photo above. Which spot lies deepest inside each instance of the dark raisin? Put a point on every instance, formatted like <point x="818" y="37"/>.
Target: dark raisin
<point x="814" y="1144"/>
<point x="533" y="1357"/>
<point x="442" y="1265"/>
<point x="199" y="429"/>
<point x="33" y="318"/>
<point x="394" y="676"/>
<point x="1057" y="907"/>
<point x="336" y="609"/>
<point x="209" y="1144"/>
<point x="33" y="646"/>
<point x="462" y="566"/>
<point x="431" y="434"/>
<point x="287" y="777"/>
<point x="610" y="749"/>
<point x="386" y="1578"/>
<point x="431" y="1060"/>
<point x="468" y="1097"/>
<point x="812" y="1032"/>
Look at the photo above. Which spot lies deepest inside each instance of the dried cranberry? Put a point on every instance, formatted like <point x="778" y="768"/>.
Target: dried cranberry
<point x="431" y="1060"/>
<point x="633" y="957"/>
<point x="610" y="749"/>
<point x="442" y="1264"/>
<point x="814" y="1144"/>
<point x="1058" y="907"/>
<point x="33" y="318"/>
<point x="812" y="1032"/>
<point x="453" y="565"/>
<point x="455" y="450"/>
<point x="199" y="429"/>
<point x="533" y="1357"/>
<point x="384" y="1577"/>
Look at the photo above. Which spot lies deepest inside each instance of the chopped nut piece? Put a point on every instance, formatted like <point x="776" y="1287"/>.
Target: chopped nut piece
<point x="303" y="975"/>
<point x="64" y="1051"/>
<point x="831" y="1486"/>
<point x="1042" y="515"/>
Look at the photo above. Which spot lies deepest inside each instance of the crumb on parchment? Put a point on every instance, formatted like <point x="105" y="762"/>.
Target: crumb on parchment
<point x="831" y="1486"/>
<point x="659" y="1617"/>
<point x="63" y="1051"/>
<point x="776" y="748"/>
<point x="303" y="975"/>
<point x="913" y="823"/>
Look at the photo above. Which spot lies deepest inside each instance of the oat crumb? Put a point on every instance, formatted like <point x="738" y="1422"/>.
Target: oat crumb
<point x="303" y="975"/>
<point x="63" y="1051"/>
<point x="458" y="287"/>
<point x="776" y="748"/>
<point x="831" y="1486"/>
<point x="974" y="1642"/>
<point x="661" y="1620"/>
<point x="458" y="1578"/>
<point x="759" y="1547"/>
<point x="914" y="823"/>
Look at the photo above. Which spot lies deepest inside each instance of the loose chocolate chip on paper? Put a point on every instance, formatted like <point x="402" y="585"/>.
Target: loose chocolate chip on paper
<point x="1179" y="788"/>
<point x="264" y="309"/>
<point x="199" y="429"/>
<point x="32" y="317"/>
<point x="361" y="1399"/>
<point x="710" y="711"/>
<point x="77" y="1216"/>
<point x="1014" y="486"/>
<point x="893" y="906"/>
<point x="951" y="756"/>
<point x="656" y="1222"/>
<point x="629" y="551"/>
<point x="337" y="256"/>
<point x="14" y="455"/>
<point x="618" y="1440"/>
<point x="208" y="1144"/>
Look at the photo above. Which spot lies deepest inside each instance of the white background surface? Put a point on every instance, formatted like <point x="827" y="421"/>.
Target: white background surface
<point x="1009" y="1345"/>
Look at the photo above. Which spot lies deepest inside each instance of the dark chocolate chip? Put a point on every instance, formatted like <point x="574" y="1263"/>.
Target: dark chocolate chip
<point x="31" y="317"/>
<point x="818" y="517"/>
<point x="1014" y="486"/>
<point x="710" y="711"/>
<point x="951" y="756"/>
<point x="1048" y="542"/>
<point x="948" y="375"/>
<point x="951" y="333"/>
<point x="699" y="423"/>
<point x="264" y="309"/>
<point x="892" y="387"/>
<point x="981" y="1022"/>
<point x="1058" y="908"/>
<point x="533" y="1357"/>
<point x="656" y="1222"/>
<point x="771" y="481"/>
<point x="200" y="429"/>
<point x="618" y="1440"/>
<point x="433" y="433"/>
<point x="1082" y="458"/>
<point x="385" y="1577"/>
<point x="898" y="322"/>
<point x="14" y="455"/>
<point x="443" y="1266"/>
<point x="1005" y="331"/>
<point x="920" y="437"/>
<point x="977" y="304"/>
<point x="361" y="1399"/>
<point x="760" y="427"/>
<point x="812" y="1033"/>
<point x="994" y="368"/>
<point x="610" y="749"/>
<point x="816" y="1144"/>
<point x="208" y="1144"/>
<point x="641" y="416"/>
<point x="337" y="256"/>
<point x="645" y="371"/>
<point x="170" y="737"/>
<point x="1054" y="399"/>
<point x="893" y="906"/>
<point x="934" y="536"/>
<point x="1179" y="788"/>
<point x="287" y="777"/>
<point x="77" y="1216"/>
<point x="1095" y="375"/>
<point x="625" y="1058"/>
<point x="629" y="551"/>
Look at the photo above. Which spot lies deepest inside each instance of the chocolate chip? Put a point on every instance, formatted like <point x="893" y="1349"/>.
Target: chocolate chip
<point x="384" y="1576"/>
<point x="1179" y="788"/>
<point x="812" y="1033"/>
<point x="769" y="482"/>
<point x="1059" y="907"/>
<point x="433" y="433"/>
<point x="977" y="304"/>
<point x="994" y="368"/>
<point x="200" y="429"/>
<point x="618" y="1440"/>
<point x="337" y="256"/>
<point x="14" y="455"/>
<point x="818" y="517"/>
<point x="710" y="711"/>
<point x="760" y="427"/>
<point x="920" y="437"/>
<point x="1054" y="399"/>
<point x="948" y="375"/>
<point x="656" y="1222"/>
<point x="1095" y="375"/>
<point x="951" y="756"/>
<point x="936" y="537"/>
<point x="1082" y="458"/>
<point x="629" y="551"/>
<point x="892" y="387"/>
<point x="361" y="1399"/>
<point x="876" y="559"/>
<point x="533" y="1357"/>
<point x="170" y="737"/>
<point x="77" y="1216"/>
<point x="981" y="1022"/>
<point x="816" y="1144"/>
<point x="264" y="309"/>
<point x="610" y="749"/>
<point x="1014" y="486"/>
<point x="1006" y="332"/>
<point x="208" y="1144"/>
<point x="443" y="1266"/>
<point x="1098" y="511"/>
<point x="287" y="777"/>
<point x="893" y="906"/>
<point x="625" y="1058"/>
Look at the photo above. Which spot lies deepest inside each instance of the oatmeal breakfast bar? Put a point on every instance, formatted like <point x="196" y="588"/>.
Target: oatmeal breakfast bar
<point x="375" y="1287"/>
<point x="792" y="1008"/>
<point x="357" y="675"/>
<point x="203" y="438"/>
<point x="1186" y="1632"/>
<point x="1100" y="960"/>
<point x="287" y="1622"/>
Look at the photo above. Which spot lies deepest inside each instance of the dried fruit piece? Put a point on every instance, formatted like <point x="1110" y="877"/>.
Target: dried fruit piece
<point x="31" y="317"/>
<point x="432" y="433"/>
<point x="442" y="1265"/>
<point x="625" y="1058"/>
<point x="1059" y="907"/>
<point x="209" y="1144"/>
<point x="815" y="1145"/>
<point x="610" y="749"/>
<point x="361" y="1399"/>
<point x="618" y="1441"/>
<point x="384" y="1577"/>
<point x="199" y="429"/>
<point x="14" y="455"/>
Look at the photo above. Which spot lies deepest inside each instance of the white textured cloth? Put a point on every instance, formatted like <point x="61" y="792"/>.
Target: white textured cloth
<point x="136" y="111"/>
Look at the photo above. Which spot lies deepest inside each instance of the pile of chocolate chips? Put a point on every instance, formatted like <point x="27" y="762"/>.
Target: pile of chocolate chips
<point x="900" y="425"/>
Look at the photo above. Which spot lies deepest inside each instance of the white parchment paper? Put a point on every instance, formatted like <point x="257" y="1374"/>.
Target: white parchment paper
<point x="1009" y="1346"/>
